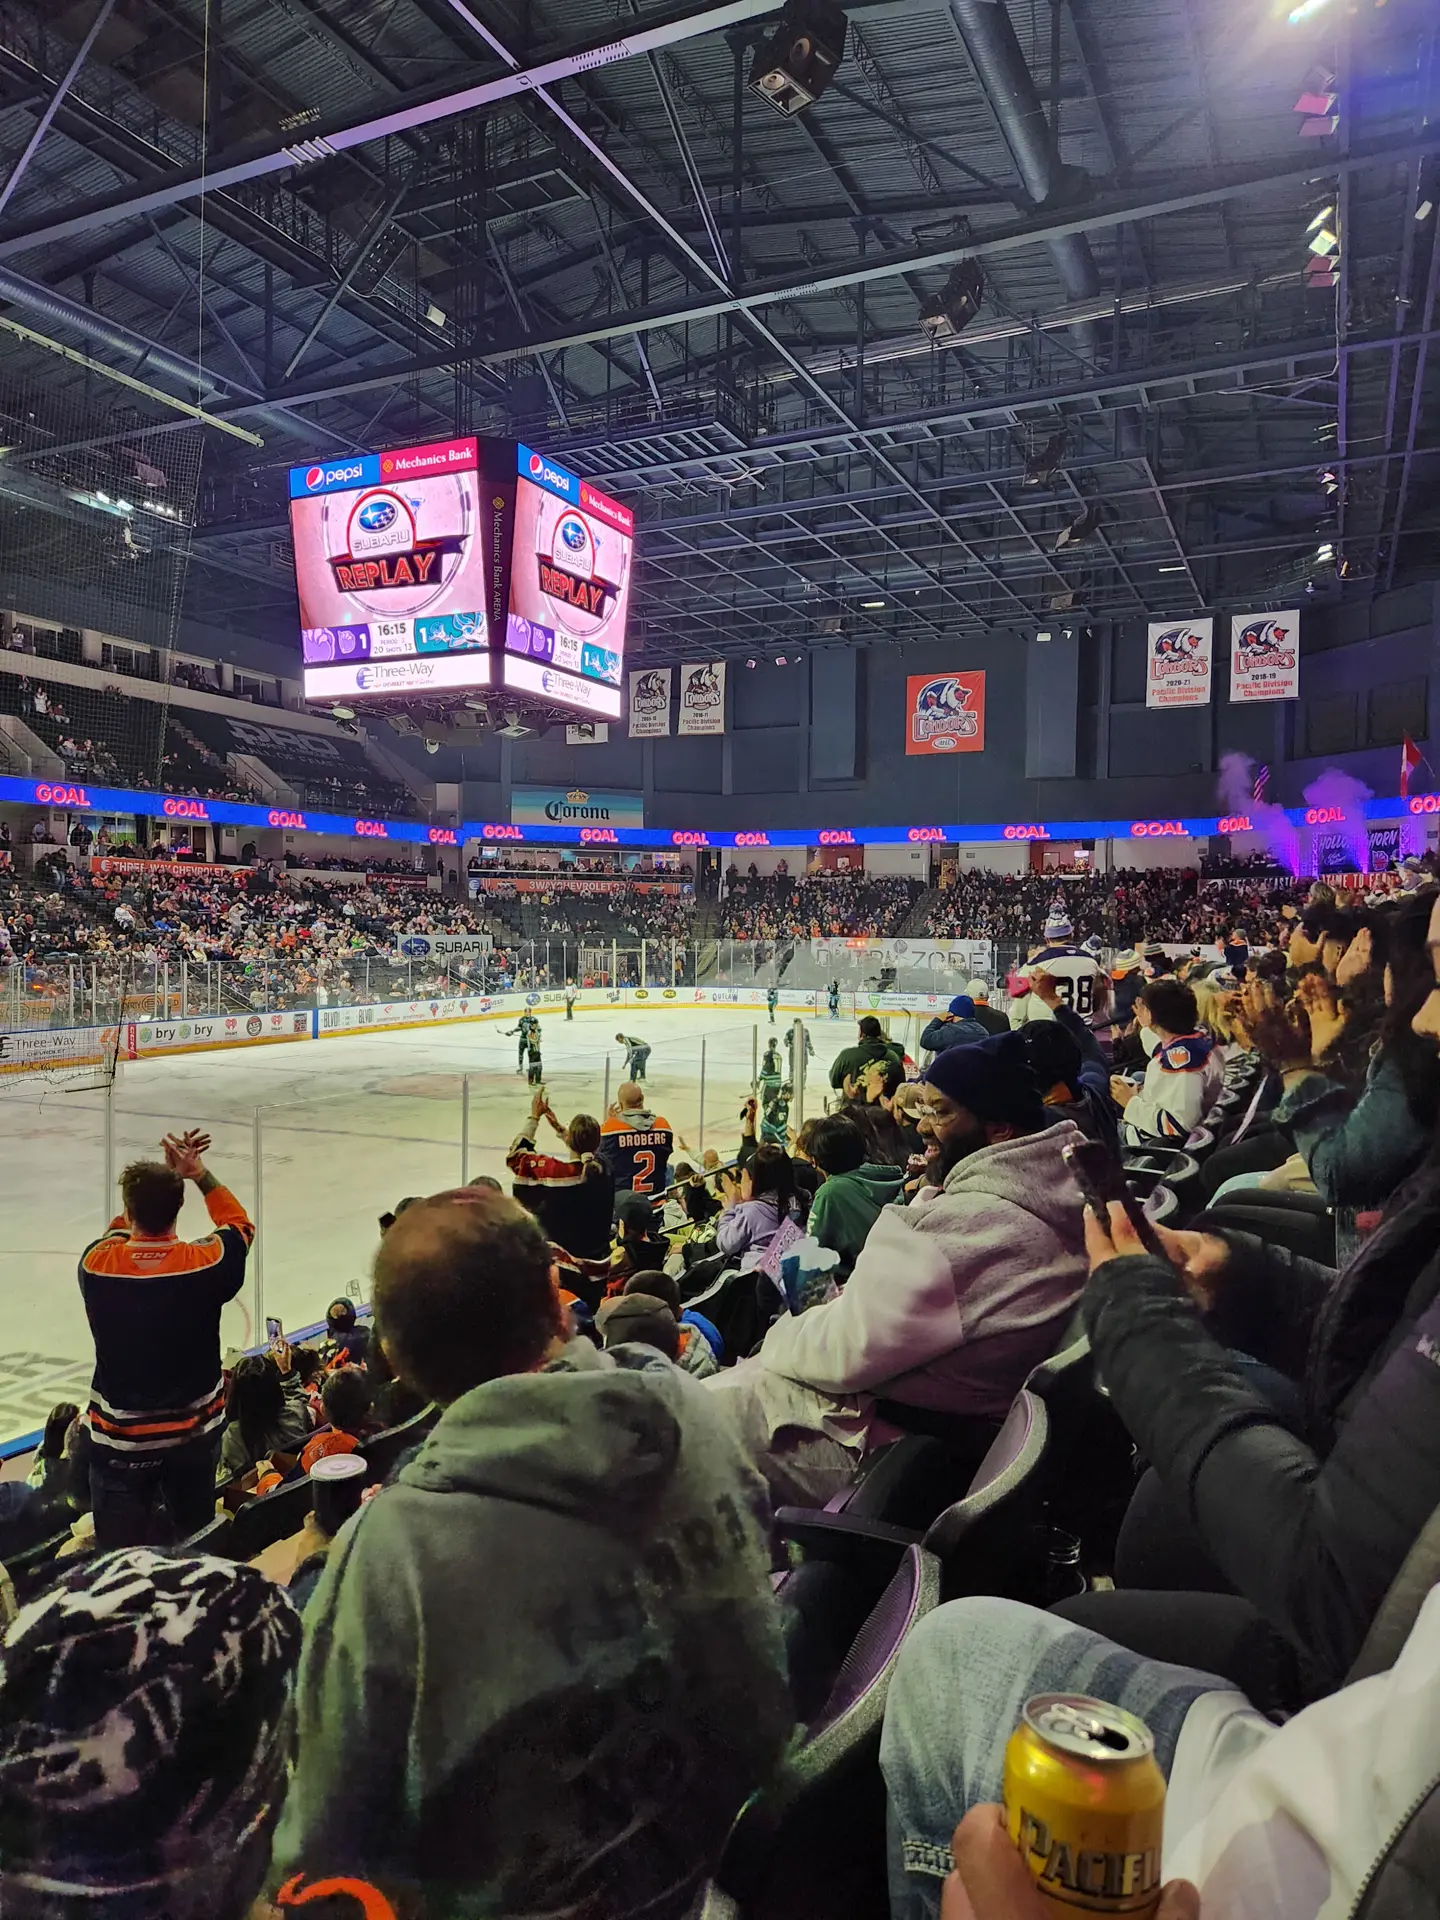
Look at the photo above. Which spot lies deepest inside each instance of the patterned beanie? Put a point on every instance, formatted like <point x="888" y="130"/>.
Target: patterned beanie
<point x="145" y="1726"/>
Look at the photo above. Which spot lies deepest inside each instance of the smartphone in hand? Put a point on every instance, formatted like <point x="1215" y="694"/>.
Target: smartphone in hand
<point x="274" y="1332"/>
<point x="1101" y="1179"/>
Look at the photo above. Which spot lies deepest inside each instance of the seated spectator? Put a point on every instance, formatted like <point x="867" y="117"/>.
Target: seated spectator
<point x="953" y="1299"/>
<point x="310" y="1372"/>
<point x="1182" y="1077"/>
<point x="872" y="1045"/>
<point x="395" y="1401"/>
<point x="853" y="1190"/>
<point x="640" y="1319"/>
<point x="701" y="1348"/>
<point x="956" y="1027"/>
<point x="1306" y="1510"/>
<point x="694" y="1203"/>
<point x="639" y="1243"/>
<point x="556" y="1753"/>
<point x="347" y="1420"/>
<point x="1330" y="1813"/>
<point x="145" y="1735"/>
<point x="267" y="1412"/>
<point x="347" y="1343"/>
<point x="573" y="1198"/>
<point x="756" y="1202"/>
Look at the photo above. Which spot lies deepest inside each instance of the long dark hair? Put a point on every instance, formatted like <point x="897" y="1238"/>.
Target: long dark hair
<point x="1412" y="981"/>
<point x="255" y="1402"/>
<point x="772" y="1174"/>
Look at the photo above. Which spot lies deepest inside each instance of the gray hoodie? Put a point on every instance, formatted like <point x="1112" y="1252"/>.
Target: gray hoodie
<point x="543" y="1670"/>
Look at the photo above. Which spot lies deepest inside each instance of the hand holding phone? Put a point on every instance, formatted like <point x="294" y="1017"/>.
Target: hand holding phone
<point x="1101" y="1180"/>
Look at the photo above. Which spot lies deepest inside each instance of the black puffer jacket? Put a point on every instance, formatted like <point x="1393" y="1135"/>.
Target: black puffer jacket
<point x="1310" y="1528"/>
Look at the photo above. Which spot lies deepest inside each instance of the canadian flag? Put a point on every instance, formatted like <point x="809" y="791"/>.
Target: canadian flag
<point x="1409" y="761"/>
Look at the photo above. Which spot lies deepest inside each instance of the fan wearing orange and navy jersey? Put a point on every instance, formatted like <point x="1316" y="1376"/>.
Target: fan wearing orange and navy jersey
<point x="635" y="1143"/>
<point x="157" y="1398"/>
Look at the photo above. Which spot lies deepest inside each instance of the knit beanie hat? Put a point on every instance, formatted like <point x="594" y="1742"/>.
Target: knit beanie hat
<point x="145" y="1727"/>
<point x="1057" y="924"/>
<point x="963" y="1005"/>
<point x="992" y="1078"/>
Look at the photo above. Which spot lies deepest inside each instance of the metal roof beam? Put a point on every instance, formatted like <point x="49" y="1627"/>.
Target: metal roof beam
<point x="1151" y="202"/>
<point x="403" y="116"/>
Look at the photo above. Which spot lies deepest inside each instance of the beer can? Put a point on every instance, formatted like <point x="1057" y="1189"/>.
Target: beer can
<point x="1085" y="1804"/>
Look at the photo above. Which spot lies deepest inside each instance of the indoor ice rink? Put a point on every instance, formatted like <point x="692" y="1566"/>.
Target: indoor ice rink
<point x="319" y="1138"/>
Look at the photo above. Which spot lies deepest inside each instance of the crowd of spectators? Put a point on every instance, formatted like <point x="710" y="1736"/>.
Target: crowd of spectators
<point x="822" y="905"/>
<point x="542" y="1662"/>
<point x="1119" y="909"/>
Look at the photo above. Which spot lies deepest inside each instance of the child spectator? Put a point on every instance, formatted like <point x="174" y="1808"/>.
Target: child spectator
<point x="700" y="1348"/>
<point x="347" y="1342"/>
<point x="639" y="1241"/>
<point x="266" y="1412"/>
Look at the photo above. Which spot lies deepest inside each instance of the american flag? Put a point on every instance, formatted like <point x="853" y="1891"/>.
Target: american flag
<point x="1262" y="776"/>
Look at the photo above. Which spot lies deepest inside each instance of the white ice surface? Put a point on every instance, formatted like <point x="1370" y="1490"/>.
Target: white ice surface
<point x="347" y="1127"/>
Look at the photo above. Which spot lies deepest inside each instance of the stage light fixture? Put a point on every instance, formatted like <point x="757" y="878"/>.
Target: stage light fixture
<point x="952" y="309"/>
<point x="1044" y="636"/>
<point x="342" y="713"/>
<point x="872" y="606"/>
<point x="796" y="64"/>
<point x="1042" y="465"/>
<point x="1083" y="527"/>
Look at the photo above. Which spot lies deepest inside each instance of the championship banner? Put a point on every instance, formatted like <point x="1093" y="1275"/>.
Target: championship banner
<point x="945" y="713"/>
<point x="650" y="703"/>
<point x="1265" y="656"/>
<point x="1177" y="663"/>
<point x="702" y="698"/>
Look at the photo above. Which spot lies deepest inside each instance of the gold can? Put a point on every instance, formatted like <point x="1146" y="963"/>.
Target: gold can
<point x="1085" y="1804"/>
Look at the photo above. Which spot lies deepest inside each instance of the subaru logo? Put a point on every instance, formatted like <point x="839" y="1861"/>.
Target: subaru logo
<point x="572" y="532"/>
<point x="376" y="515"/>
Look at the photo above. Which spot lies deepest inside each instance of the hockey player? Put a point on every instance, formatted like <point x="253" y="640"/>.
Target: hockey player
<point x="1077" y="974"/>
<point x="528" y="1022"/>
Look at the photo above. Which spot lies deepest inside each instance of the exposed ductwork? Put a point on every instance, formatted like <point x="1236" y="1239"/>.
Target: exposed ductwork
<point x="135" y="348"/>
<point x="1002" y="69"/>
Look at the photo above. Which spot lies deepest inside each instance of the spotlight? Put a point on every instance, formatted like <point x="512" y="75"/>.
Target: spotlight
<point x="750" y="664"/>
<point x="780" y="659"/>
<point x="872" y="606"/>
<point x="796" y="64"/>
<point x="342" y="713"/>
<point x="1325" y="551"/>
<point x="1042" y="465"/>
<point x="1083" y="527"/>
<point x="952" y="309"/>
<point x="1044" y="636"/>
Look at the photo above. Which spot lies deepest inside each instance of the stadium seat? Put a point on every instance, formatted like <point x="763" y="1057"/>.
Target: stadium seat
<point x="824" y="1604"/>
<point x="985" y="1542"/>
<point x="211" y="1538"/>
<point x="815" y="1848"/>
<point x="259" y="1524"/>
<point x="1090" y="1472"/>
<point x="382" y="1450"/>
<point x="31" y="1570"/>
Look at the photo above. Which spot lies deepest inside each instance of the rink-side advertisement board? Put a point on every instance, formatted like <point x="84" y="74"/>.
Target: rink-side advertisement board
<point x="219" y="1030"/>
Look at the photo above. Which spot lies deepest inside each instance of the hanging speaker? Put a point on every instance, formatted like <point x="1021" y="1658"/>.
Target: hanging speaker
<point x="796" y="64"/>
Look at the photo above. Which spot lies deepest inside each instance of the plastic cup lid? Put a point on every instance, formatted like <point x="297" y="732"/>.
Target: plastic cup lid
<point x="339" y="1466"/>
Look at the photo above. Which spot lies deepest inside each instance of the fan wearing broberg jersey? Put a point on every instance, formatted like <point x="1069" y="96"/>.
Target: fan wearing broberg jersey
<point x="636" y="1144"/>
